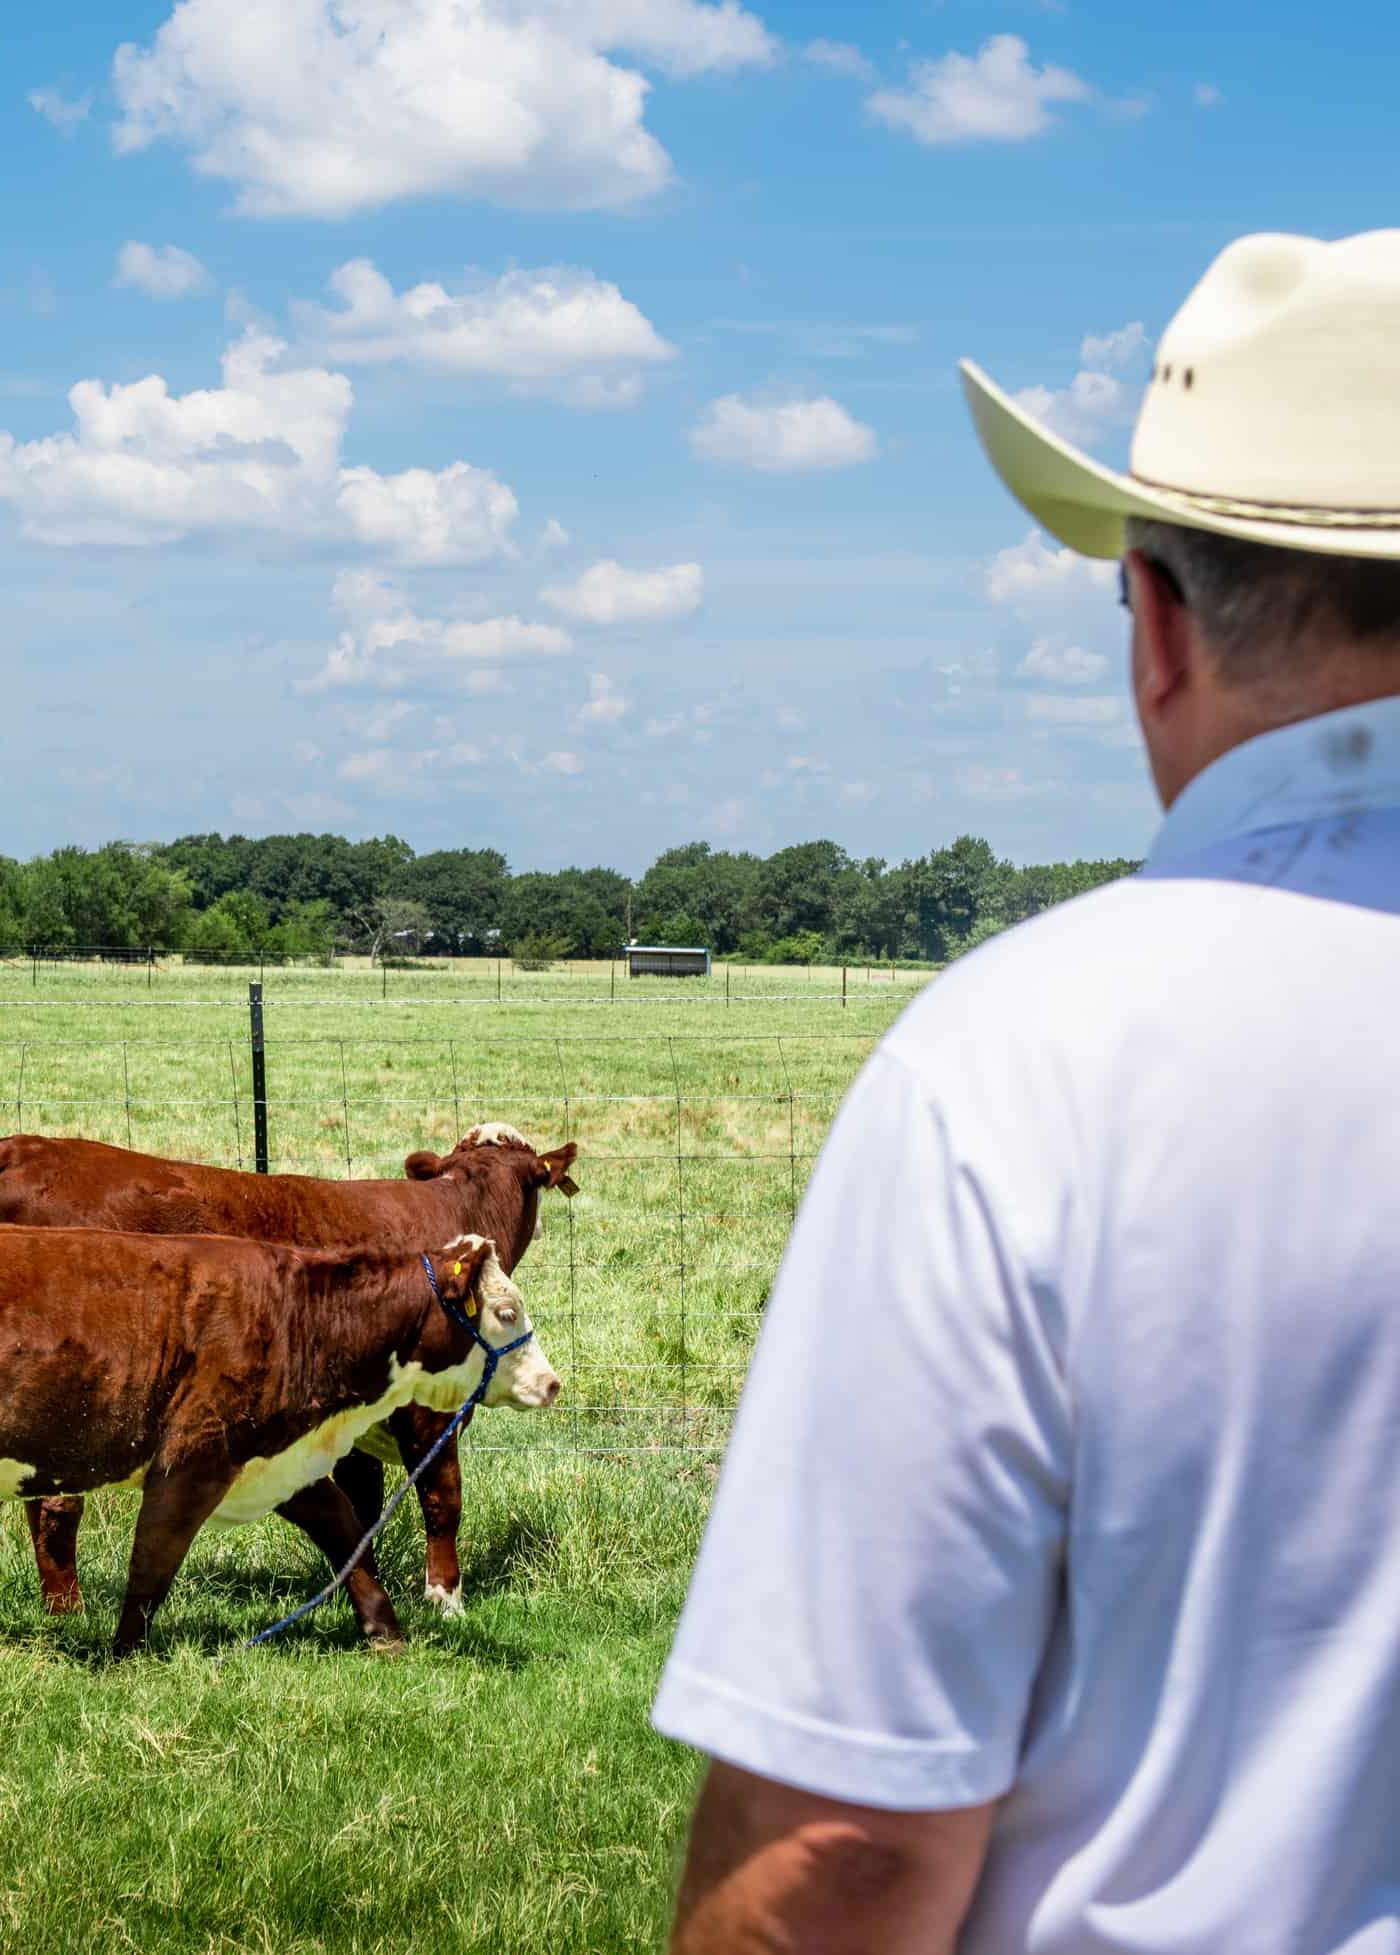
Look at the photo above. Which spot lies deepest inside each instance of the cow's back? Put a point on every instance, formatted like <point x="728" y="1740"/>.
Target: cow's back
<point x="55" y="1183"/>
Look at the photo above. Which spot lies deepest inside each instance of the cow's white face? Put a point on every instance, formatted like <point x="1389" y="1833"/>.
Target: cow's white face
<point x="525" y="1381"/>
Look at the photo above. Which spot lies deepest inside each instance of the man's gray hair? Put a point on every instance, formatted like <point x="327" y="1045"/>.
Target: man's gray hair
<point x="1271" y="613"/>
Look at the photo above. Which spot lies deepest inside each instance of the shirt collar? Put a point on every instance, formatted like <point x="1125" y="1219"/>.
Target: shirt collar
<point x="1335" y="764"/>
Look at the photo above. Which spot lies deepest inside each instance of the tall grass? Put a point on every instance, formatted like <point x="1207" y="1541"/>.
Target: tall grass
<point x="495" y="1787"/>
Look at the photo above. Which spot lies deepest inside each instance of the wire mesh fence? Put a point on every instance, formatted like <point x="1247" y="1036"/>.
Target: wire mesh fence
<point x="140" y="978"/>
<point x="647" y="1288"/>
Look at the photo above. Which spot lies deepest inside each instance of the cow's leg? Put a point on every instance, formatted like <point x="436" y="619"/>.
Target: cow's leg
<point x="324" y="1512"/>
<point x="361" y="1478"/>
<point x="53" y="1528"/>
<point x="174" y="1506"/>
<point x="440" y="1497"/>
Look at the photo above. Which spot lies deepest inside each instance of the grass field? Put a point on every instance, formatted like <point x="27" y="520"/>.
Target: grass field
<point x="495" y="1788"/>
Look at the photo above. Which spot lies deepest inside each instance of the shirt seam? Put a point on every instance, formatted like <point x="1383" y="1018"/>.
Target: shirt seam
<point x="848" y="1735"/>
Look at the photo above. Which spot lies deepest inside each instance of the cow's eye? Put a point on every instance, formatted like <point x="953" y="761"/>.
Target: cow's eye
<point x="506" y="1315"/>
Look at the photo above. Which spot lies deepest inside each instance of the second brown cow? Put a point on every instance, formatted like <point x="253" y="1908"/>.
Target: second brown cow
<point x="488" y="1185"/>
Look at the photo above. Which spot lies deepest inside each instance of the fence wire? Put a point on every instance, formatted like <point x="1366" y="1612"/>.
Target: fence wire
<point x="646" y="1289"/>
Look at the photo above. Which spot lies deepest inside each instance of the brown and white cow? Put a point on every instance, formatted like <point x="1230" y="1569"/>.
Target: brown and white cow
<point x="488" y="1185"/>
<point x="225" y="1377"/>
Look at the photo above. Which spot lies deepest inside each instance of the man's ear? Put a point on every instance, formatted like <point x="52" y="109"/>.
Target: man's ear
<point x="552" y="1169"/>
<point x="1162" y="633"/>
<point x="423" y="1167"/>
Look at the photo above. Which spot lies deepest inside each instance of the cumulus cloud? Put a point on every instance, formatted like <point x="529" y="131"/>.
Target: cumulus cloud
<point x="57" y="109"/>
<point x="1063" y="709"/>
<point x="160" y="271"/>
<point x="259" y="455"/>
<point x="607" y="594"/>
<point x="561" y="333"/>
<point x="1104" y="392"/>
<point x="780" y="437"/>
<point x="562" y="762"/>
<point x="1062" y="665"/>
<point x="839" y="58"/>
<point x="995" y="95"/>
<point x="316" y="108"/>
<point x="605" y="704"/>
<point x="983" y="783"/>
<point x="388" y="646"/>
<point x="457" y="514"/>
<point x="1030" y="570"/>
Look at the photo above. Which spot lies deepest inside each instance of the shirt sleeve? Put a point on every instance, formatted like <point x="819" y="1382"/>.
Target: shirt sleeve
<point x="877" y="1582"/>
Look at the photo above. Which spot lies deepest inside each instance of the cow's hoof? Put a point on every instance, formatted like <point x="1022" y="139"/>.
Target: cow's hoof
<point x="447" y="1601"/>
<point x="387" y="1645"/>
<point x="65" y="1601"/>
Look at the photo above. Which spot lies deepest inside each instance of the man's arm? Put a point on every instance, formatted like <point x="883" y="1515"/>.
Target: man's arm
<point x="773" y="1871"/>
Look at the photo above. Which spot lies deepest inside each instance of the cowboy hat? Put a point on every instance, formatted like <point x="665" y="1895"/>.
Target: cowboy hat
<point x="1273" y="412"/>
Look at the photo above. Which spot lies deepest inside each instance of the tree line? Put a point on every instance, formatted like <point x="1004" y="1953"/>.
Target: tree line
<point x="313" y="895"/>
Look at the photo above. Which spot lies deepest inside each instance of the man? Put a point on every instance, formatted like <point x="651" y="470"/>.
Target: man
<point x="1051" y="1599"/>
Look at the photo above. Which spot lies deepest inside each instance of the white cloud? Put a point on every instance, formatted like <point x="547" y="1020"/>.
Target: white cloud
<point x="982" y="783"/>
<point x="1207" y="96"/>
<point x="607" y="594"/>
<point x="319" y="108"/>
<point x="562" y="333"/>
<point x="259" y="455"/>
<point x="1121" y="348"/>
<point x="840" y="58"/>
<point x="1081" y="411"/>
<point x="562" y="763"/>
<point x="1098" y="397"/>
<point x="606" y="706"/>
<point x="1062" y="665"/>
<point x="995" y="95"/>
<point x="58" y="110"/>
<point x="1063" y="709"/>
<point x="388" y="646"/>
<point x="782" y="437"/>
<point x="1029" y="570"/>
<point x="160" y="271"/>
<point x="457" y="514"/>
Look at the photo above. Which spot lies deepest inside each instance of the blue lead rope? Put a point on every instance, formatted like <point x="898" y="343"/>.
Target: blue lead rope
<point x="491" y="1361"/>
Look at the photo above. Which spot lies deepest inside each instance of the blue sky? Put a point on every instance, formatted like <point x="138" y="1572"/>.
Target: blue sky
<point x="534" y="423"/>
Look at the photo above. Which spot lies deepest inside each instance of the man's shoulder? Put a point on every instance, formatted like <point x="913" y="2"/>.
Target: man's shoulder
<point x="1066" y="975"/>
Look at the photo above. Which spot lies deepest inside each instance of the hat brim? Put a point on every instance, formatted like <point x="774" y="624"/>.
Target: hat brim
<point x="1085" y="505"/>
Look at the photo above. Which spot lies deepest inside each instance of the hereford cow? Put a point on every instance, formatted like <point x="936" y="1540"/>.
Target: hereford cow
<point x="488" y="1185"/>
<point x="224" y="1378"/>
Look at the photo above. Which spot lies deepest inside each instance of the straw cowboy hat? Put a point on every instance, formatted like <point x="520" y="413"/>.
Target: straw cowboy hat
<point x="1273" y="412"/>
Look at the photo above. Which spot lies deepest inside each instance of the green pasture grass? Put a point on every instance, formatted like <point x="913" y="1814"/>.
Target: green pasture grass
<point x="495" y="1787"/>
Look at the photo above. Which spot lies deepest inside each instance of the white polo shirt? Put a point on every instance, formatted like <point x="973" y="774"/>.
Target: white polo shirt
<point x="1068" y="1467"/>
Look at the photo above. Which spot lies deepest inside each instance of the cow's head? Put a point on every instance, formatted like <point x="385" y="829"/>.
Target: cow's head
<point x="500" y="1176"/>
<point x="470" y="1275"/>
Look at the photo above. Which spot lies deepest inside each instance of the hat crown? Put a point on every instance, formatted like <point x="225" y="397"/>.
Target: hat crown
<point x="1278" y="381"/>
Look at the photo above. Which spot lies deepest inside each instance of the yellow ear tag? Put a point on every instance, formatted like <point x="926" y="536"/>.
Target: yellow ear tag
<point x="456" y="1269"/>
<point x="471" y="1306"/>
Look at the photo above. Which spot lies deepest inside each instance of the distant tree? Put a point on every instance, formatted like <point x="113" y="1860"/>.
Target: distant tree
<point x="803" y="947"/>
<point x="585" y="907"/>
<point x="802" y="888"/>
<point x="120" y="896"/>
<point x="233" y="930"/>
<point x="306" y="930"/>
<point x="713" y="891"/>
<point x="391" y="925"/>
<point x="12" y="930"/>
<point x="463" y="892"/>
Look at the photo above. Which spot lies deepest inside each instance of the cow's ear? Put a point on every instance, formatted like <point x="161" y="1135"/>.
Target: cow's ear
<point x="553" y="1169"/>
<point x="423" y="1167"/>
<point x="460" y="1272"/>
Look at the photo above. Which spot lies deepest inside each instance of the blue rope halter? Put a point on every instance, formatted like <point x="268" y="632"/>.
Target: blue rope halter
<point x="492" y="1355"/>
